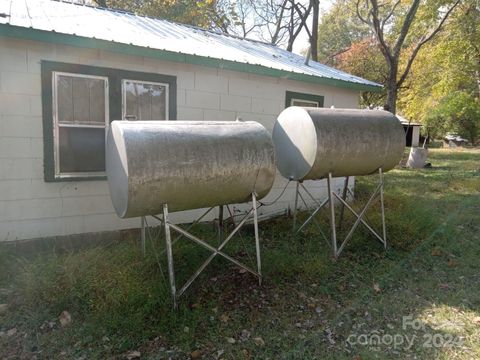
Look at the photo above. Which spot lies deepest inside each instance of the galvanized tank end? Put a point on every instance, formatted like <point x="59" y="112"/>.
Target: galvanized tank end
<point x="295" y="140"/>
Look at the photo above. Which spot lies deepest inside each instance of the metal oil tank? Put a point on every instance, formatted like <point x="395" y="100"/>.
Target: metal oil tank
<point x="310" y="143"/>
<point x="186" y="164"/>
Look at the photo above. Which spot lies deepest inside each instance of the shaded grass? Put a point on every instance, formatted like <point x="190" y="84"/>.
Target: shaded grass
<point x="307" y="306"/>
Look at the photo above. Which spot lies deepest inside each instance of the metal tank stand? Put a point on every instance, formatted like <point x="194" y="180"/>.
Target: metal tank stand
<point x="360" y="217"/>
<point x="223" y="241"/>
<point x="319" y="206"/>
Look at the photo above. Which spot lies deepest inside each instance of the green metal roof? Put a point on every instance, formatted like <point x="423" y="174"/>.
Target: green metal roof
<point x="117" y="31"/>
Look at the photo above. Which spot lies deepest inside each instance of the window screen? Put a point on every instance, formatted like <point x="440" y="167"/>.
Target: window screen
<point x="304" y="103"/>
<point x="81" y="149"/>
<point x="303" y="99"/>
<point x="79" y="123"/>
<point x="144" y="100"/>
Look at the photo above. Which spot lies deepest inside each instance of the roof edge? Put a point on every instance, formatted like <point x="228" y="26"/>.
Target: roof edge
<point x="128" y="49"/>
<point x="190" y="26"/>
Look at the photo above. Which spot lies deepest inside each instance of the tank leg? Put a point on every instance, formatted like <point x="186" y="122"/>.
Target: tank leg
<point x="220" y="224"/>
<point x="332" y="215"/>
<point x="168" y="243"/>
<point x="257" y="238"/>
<point x="384" y="227"/>
<point x="344" y="197"/>
<point x="232" y="217"/>
<point x="142" y="234"/>
<point x="297" y="189"/>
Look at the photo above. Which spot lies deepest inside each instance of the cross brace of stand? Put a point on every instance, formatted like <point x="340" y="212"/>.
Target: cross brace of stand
<point x="169" y="227"/>
<point x="337" y="247"/>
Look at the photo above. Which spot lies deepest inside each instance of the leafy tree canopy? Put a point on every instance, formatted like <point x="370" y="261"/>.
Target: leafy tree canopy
<point x="210" y="14"/>
<point x="457" y="113"/>
<point x="448" y="65"/>
<point x="338" y="30"/>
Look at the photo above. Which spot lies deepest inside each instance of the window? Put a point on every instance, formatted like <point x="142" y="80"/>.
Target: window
<point x="144" y="100"/>
<point x="301" y="99"/>
<point x="304" y="103"/>
<point x="78" y="104"/>
<point x="80" y="117"/>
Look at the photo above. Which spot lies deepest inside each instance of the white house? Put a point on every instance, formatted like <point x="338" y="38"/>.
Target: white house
<point x="67" y="71"/>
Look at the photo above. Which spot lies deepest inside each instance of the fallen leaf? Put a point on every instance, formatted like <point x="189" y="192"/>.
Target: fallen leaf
<point x="376" y="287"/>
<point x="330" y="336"/>
<point x="196" y="354"/>
<point x="11" y="332"/>
<point x="246" y="354"/>
<point x="245" y="335"/>
<point x="311" y="306"/>
<point x="452" y="263"/>
<point x="65" y="318"/>
<point x="259" y="341"/>
<point x="231" y="340"/>
<point x="242" y="271"/>
<point x="132" y="355"/>
<point x="437" y="252"/>
<point x="308" y="324"/>
<point x="224" y="318"/>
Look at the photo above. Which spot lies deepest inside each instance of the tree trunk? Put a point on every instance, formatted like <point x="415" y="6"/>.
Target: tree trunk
<point x="290" y="44"/>
<point x="314" y="38"/>
<point x="392" y="90"/>
<point x="391" y="102"/>
<point x="291" y="37"/>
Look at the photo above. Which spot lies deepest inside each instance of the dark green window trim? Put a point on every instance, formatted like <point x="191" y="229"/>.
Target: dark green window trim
<point x="302" y="96"/>
<point x="115" y="77"/>
<point x="84" y="42"/>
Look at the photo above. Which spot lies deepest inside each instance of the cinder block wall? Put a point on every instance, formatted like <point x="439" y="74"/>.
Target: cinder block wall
<point x="31" y="208"/>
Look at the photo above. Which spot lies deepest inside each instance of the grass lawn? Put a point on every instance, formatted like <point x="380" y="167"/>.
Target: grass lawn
<point x="418" y="299"/>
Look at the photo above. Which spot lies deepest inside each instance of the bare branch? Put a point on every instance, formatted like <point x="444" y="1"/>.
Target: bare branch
<point x="375" y="24"/>
<point x="407" y="22"/>
<point x="424" y="40"/>
<point x="389" y="15"/>
<point x="357" y="9"/>
<point x="295" y="29"/>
